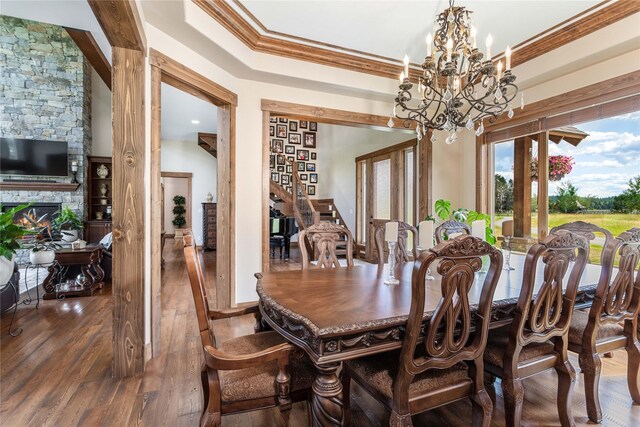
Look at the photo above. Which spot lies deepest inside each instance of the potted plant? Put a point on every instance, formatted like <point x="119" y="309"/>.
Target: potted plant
<point x="443" y="211"/>
<point x="179" y="220"/>
<point x="43" y="246"/>
<point x="559" y="167"/>
<point x="67" y="222"/>
<point x="10" y="235"/>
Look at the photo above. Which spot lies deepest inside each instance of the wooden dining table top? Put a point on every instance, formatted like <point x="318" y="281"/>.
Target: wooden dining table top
<point x="330" y="311"/>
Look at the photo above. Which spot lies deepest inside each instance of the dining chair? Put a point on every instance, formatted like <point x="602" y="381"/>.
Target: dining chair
<point x="403" y="253"/>
<point x="587" y="230"/>
<point x="612" y="322"/>
<point x="325" y="237"/>
<point x="450" y="227"/>
<point x="538" y="337"/>
<point x="441" y="362"/>
<point x="245" y="373"/>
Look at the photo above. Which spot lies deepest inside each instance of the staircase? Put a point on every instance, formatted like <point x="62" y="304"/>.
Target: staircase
<point x="305" y="210"/>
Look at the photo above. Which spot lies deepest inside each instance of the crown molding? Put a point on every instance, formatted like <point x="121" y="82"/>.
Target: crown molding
<point x="288" y="46"/>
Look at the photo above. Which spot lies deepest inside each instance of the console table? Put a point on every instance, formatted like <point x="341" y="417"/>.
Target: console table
<point x="57" y="286"/>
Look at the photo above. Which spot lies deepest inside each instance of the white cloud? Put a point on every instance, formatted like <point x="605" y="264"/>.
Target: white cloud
<point x="506" y="174"/>
<point x="601" y="164"/>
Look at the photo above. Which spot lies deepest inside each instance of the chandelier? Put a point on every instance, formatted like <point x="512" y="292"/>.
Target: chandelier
<point x="459" y="86"/>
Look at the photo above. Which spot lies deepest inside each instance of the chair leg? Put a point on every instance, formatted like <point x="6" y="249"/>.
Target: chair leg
<point x="490" y="386"/>
<point x="211" y="414"/>
<point x="482" y="409"/>
<point x="397" y="420"/>
<point x="633" y="369"/>
<point x="284" y="388"/>
<point x="566" y="381"/>
<point x="513" y="393"/>
<point x="591" y="366"/>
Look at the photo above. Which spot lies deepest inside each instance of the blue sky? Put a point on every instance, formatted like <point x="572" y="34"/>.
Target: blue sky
<point x="604" y="161"/>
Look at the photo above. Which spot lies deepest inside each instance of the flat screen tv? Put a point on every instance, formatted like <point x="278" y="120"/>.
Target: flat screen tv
<point x="33" y="157"/>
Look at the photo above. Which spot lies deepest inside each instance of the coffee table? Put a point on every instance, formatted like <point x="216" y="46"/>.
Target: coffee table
<point x="58" y="286"/>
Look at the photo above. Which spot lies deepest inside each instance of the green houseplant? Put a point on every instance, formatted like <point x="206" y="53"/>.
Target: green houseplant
<point x="179" y="220"/>
<point x="67" y="222"/>
<point x="43" y="246"/>
<point x="443" y="211"/>
<point x="10" y="235"/>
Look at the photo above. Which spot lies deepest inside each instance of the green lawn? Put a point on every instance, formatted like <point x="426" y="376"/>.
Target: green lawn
<point x="616" y="223"/>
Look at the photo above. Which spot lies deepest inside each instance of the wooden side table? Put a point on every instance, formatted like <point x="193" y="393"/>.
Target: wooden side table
<point x="56" y="284"/>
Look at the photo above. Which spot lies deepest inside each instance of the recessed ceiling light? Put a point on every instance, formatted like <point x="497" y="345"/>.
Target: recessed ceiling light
<point x="195" y="122"/>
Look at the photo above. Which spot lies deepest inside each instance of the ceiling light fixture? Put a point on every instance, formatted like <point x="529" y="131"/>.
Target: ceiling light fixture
<point x="195" y="122"/>
<point x="457" y="87"/>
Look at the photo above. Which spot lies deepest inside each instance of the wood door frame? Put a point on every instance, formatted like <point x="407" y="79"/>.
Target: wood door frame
<point x="320" y="115"/>
<point x="166" y="70"/>
<point x="189" y="177"/>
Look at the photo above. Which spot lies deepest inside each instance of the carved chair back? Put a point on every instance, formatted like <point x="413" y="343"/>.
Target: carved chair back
<point x="324" y="238"/>
<point x="447" y="228"/>
<point x="448" y="338"/>
<point x="618" y="299"/>
<point x="403" y="254"/>
<point x="547" y="314"/>
<point x="588" y="231"/>
<point x="198" y="289"/>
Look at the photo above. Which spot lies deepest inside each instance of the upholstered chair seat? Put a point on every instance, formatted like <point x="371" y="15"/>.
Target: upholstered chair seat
<point x="260" y="381"/>
<point x="579" y="324"/>
<point x="380" y="370"/>
<point x="498" y="342"/>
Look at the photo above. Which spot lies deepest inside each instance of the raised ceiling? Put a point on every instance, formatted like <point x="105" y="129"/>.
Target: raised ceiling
<point x="392" y="28"/>
<point x="179" y="109"/>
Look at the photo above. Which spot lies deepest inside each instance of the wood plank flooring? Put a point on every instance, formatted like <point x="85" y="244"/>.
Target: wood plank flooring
<point x="58" y="372"/>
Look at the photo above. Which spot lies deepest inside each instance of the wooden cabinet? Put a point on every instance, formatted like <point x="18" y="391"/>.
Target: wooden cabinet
<point x="99" y="198"/>
<point x="94" y="231"/>
<point x="209" y="226"/>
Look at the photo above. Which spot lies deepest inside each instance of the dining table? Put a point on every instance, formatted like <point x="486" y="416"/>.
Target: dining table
<point x="339" y="314"/>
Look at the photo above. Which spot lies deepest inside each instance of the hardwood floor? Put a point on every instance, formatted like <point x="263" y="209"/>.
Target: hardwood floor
<point x="58" y="372"/>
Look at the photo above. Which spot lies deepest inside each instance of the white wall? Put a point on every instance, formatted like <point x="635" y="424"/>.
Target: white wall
<point x="173" y="187"/>
<point x="337" y="168"/>
<point x="181" y="156"/>
<point x="100" y="116"/>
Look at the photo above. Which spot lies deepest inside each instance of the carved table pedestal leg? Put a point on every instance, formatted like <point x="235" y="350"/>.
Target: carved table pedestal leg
<point x="327" y="404"/>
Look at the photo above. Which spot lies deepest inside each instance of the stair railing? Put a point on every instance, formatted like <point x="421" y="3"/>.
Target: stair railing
<point x="304" y="211"/>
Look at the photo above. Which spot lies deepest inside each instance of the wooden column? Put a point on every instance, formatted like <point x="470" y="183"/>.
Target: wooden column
<point x="226" y="119"/>
<point x="156" y="212"/>
<point x="128" y="211"/>
<point x="543" y="184"/>
<point x="522" y="187"/>
<point x="424" y="170"/>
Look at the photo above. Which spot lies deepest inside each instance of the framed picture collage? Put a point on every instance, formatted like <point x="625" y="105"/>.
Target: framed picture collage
<point x="297" y="141"/>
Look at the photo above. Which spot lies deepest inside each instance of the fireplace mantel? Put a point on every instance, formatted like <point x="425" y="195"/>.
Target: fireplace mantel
<point x="39" y="186"/>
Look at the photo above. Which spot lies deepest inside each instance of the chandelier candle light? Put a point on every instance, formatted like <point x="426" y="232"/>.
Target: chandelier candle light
<point x="459" y="85"/>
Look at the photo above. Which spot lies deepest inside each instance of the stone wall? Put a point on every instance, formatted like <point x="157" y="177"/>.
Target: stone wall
<point x="45" y="94"/>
